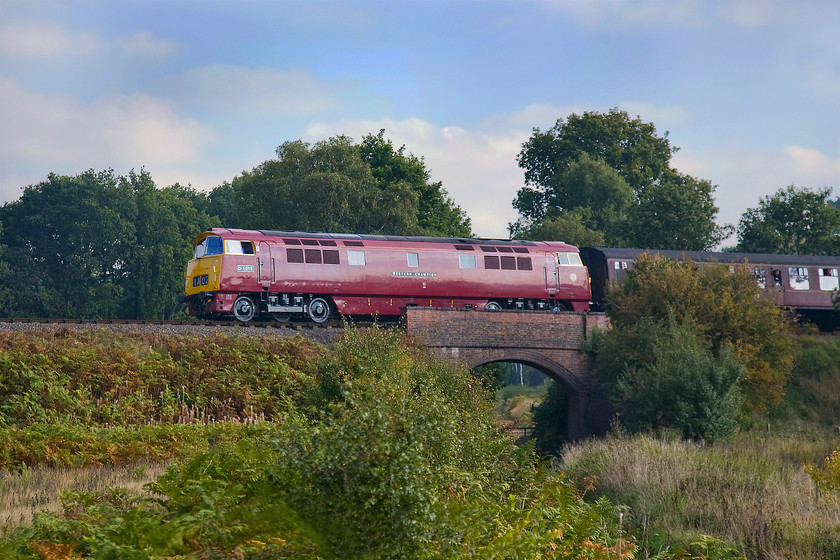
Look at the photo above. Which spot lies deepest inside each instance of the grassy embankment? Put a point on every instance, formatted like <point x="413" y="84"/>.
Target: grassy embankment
<point x="87" y="410"/>
<point x="101" y="410"/>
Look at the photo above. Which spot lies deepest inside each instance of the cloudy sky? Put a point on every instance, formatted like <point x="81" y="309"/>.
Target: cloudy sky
<point x="198" y="91"/>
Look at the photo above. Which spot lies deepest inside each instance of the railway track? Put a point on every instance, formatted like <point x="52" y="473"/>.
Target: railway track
<point x="325" y="333"/>
<point x="303" y="325"/>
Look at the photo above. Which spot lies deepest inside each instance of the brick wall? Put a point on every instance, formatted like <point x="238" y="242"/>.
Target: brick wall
<point x="494" y="329"/>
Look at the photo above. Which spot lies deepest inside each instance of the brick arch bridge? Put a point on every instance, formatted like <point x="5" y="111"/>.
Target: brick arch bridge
<point x="549" y="342"/>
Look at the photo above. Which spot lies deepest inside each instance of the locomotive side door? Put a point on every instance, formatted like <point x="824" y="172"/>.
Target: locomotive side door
<point x="552" y="275"/>
<point x="265" y="265"/>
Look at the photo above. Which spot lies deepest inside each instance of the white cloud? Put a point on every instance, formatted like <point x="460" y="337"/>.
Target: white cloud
<point x="648" y="13"/>
<point x="23" y="40"/>
<point x="748" y="13"/>
<point x="745" y="175"/>
<point x="46" y="41"/>
<point x="814" y="162"/>
<point x="266" y="91"/>
<point x="44" y="133"/>
<point x="145" y="44"/>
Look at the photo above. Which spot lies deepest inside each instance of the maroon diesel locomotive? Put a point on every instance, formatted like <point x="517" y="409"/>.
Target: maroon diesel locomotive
<point x="246" y="274"/>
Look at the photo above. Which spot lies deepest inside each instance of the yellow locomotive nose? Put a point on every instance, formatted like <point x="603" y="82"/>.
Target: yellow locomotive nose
<point x="202" y="275"/>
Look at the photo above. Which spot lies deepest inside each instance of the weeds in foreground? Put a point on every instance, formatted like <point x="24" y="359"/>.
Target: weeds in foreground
<point x="738" y="494"/>
<point x="33" y="490"/>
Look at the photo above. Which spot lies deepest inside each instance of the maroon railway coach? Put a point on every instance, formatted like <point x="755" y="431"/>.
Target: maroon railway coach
<point x="246" y="274"/>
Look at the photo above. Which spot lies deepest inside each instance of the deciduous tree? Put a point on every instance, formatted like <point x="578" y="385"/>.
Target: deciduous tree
<point x="676" y="212"/>
<point x="437" y="214"/>
<point x="99" y="245"/>
<point x="795" y="220"/>
<point x="618" y="169"/>
<point x="567" y="226"/>
<point x="70" y="240"/>
<point x="336" y="185"/>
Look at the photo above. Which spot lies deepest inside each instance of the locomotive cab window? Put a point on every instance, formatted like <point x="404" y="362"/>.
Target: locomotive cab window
<point x="233" y="247"/>
<point x="467" y="261"/>
<point x="828" y="279"/>
<point x="572" y="259"/>
<point x="208" y="246"/>
<point x="798" y="278"/>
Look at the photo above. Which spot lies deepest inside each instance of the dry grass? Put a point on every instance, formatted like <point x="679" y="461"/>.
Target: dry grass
<point x="752" y="492"/>
<point x="32" y="490"/>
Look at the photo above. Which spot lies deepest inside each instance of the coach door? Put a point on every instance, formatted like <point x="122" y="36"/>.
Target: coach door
<point x="265" y="263"/>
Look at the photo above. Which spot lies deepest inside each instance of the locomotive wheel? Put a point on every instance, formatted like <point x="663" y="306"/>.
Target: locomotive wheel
<point x="319" y="310"/>
<point x="244" y="309"/>
<point x="493" y="306"/>
<point x="282" y="317"/>
<point x="558" y="308"/>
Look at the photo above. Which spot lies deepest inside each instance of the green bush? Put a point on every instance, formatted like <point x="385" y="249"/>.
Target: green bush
<point x="685" y="387"/>
<point x="390" y="454"/>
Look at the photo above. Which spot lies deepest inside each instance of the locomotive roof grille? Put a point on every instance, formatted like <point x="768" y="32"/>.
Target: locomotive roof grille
<point x="452" y="240"/>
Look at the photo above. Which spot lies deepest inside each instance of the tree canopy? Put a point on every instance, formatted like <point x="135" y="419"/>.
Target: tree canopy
<point x="98" y="245"/>
<point x="795" y="220"/>
<point x="338" y="186"/>
<point x="615" y="171"/>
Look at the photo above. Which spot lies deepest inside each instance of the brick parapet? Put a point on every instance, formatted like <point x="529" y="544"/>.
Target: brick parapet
<point x="495" y="329"/>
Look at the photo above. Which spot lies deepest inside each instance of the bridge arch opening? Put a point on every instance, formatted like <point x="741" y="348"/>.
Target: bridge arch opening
<point x="569" y="396"/>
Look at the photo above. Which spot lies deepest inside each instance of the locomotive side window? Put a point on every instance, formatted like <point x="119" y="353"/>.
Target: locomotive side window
<point x="294" y="255"/>
<point x="828" y="279"/>
<point x="572" y="259"/>
<point x="467" y="261"/>
<point x="356" y="258"/>
<point x="413" y="259"/>
<point x="799" y="278"/>
<point x="239" y="247"/>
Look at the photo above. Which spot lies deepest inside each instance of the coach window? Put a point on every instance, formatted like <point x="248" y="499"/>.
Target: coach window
<point x="760" y="276"/>
<point x="239" y="247"/>
<point x="798" y="278"/>
<point x="828" y="279"/>
<point x="467" y="261"/>
<point x="413" y="259"/>
<point x="356" y="258"/>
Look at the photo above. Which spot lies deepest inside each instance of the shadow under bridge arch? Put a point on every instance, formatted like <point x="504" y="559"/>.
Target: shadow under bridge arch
<point x="576" y="389"/>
